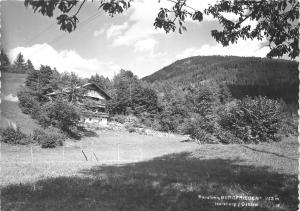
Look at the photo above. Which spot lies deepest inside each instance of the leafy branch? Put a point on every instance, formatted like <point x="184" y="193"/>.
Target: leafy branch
<point x="277" y="21"/>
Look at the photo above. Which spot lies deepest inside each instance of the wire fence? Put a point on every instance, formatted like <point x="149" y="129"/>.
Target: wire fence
<point x="113" y="154"/>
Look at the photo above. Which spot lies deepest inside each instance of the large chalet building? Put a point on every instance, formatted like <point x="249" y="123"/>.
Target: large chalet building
<point x="92" y="102"/>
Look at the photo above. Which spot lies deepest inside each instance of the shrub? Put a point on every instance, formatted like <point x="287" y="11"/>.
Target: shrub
<point x="49" y="137"/>
<point x="155" y="125"/>
<point x="13" y="135"/>
<point x="78" y="132"/>
<point x="28" y="103"/>
<point x="195" y="129"/>
<point x="253" y="120"/>
<point x="132" y="120"/>
<point x="290" y="125"/>
<point x="226" y="137"/>
<point x="169" y="122"/>
<point x="119" y="118"/>
<point x="131" y="129"/>
<point x="132" y="123"/>
<point x="60" y="114"/>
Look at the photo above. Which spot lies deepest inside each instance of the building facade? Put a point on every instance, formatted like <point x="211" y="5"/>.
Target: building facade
<point x="92" y="102"/>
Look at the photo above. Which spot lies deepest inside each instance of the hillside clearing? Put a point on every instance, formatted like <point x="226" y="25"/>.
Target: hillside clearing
<point x="168" y="174"/>
<point x="10" y="110"/>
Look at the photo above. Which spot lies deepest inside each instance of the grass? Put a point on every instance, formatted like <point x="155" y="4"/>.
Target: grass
<point x="170" y="175"/>
<point x="11" y="82"/>
<point x="10" y="111"/>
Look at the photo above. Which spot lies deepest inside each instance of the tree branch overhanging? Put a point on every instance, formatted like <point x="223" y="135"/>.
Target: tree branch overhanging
<point x="79" y="8"/>
<point x="279" y="27"/>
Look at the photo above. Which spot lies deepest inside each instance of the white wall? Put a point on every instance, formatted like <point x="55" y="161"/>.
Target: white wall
<point x="93" y="93"/>
<point x="100" y="121"/>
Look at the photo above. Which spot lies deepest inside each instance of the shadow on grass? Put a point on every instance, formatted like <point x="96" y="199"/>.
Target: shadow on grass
<point x="171" y="182"/>
<point x="81" y="132"/>
<point x="89" y="133"/>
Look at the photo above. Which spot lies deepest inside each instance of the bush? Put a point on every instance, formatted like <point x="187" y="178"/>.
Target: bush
<point x="253" y="120"/>
<point x="49" y="137"/>
<point x="12" y="135"/>
<point x="289" y="125"/>
<point x="195" y="129"/>
<point x="28" y="103"/>
<point x="131" y="129"/>
<point x="226" y="137"/>
<point x="119" y="118"/>
<point x="133" y="121"/>
<point x="60" y="114"/>
<point x="155" y="125"/>
<point x="169" y="122"/>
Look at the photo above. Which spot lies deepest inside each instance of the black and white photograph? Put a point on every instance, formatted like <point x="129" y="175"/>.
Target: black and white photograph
<point x="149" y="105"/>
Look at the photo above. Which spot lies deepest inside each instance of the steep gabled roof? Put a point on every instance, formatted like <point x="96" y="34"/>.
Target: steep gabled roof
<point x="98" y="89"/>
<point x="87" y="85"/>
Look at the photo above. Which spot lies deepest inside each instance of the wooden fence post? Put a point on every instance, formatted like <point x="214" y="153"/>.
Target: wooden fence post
<point x="118" y="153"/>
<point x="31" y="152"/>
<point x="84" y="155"/>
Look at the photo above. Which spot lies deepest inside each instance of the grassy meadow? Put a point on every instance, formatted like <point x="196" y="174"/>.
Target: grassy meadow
<point x="147" y="173"/>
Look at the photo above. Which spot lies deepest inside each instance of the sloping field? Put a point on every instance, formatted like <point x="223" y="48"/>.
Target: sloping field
<point x="10" y="112"/>
<point x="11" y="82"/>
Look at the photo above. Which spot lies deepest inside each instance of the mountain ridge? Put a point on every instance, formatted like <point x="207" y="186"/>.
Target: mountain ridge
<point x="276" y="78"/>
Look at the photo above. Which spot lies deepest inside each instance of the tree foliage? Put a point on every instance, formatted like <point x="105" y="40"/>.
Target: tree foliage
<point x="4" y="60"/>
<point x="240" y="76"/>
<point x="20" y="62"/>
<point x="61" y="114"/>
<point x="131" y="96"/>
<point x="49" y="138"/>
<point x="253" y="120"/>
<point x="101" y="81"/>
<point x="69" y="9"/>
<point x="277" y="21"/>
<point x="70" y="83"/>
<point x="18" y="66"/>
<point x="12" y="135"/>
<point x="42" y="81"/>
<point x="29" y="66"/>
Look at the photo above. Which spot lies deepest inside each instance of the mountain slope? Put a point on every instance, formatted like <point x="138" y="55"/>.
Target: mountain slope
<point x="243" y="75"/>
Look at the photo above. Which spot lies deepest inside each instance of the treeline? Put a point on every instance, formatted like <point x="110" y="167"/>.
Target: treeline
<point x="18" y="66"/>
<point x="277" y="79"/>
<point x="206" y="110"/>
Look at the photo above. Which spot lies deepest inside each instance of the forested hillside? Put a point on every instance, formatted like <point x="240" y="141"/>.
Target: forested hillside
<point x="243" y="75"/>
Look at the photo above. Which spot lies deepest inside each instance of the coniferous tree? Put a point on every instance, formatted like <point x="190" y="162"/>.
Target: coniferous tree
<point x="19" y="64"/>
<point x="130" y="96"/>
<point x="5" y="63"/>
<point x="101" y="81"/>
<point x="29" y="66"/>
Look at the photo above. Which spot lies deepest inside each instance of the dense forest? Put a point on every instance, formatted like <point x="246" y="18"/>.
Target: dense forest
<point x="243" y="76"/>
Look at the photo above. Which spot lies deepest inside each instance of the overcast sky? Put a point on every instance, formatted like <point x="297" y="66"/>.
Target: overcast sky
<point x="104" y="45"/>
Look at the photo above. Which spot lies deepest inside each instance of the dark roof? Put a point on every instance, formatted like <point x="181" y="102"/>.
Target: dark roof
<point x="95" y="86"/>
<point x="99" y="89"/>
